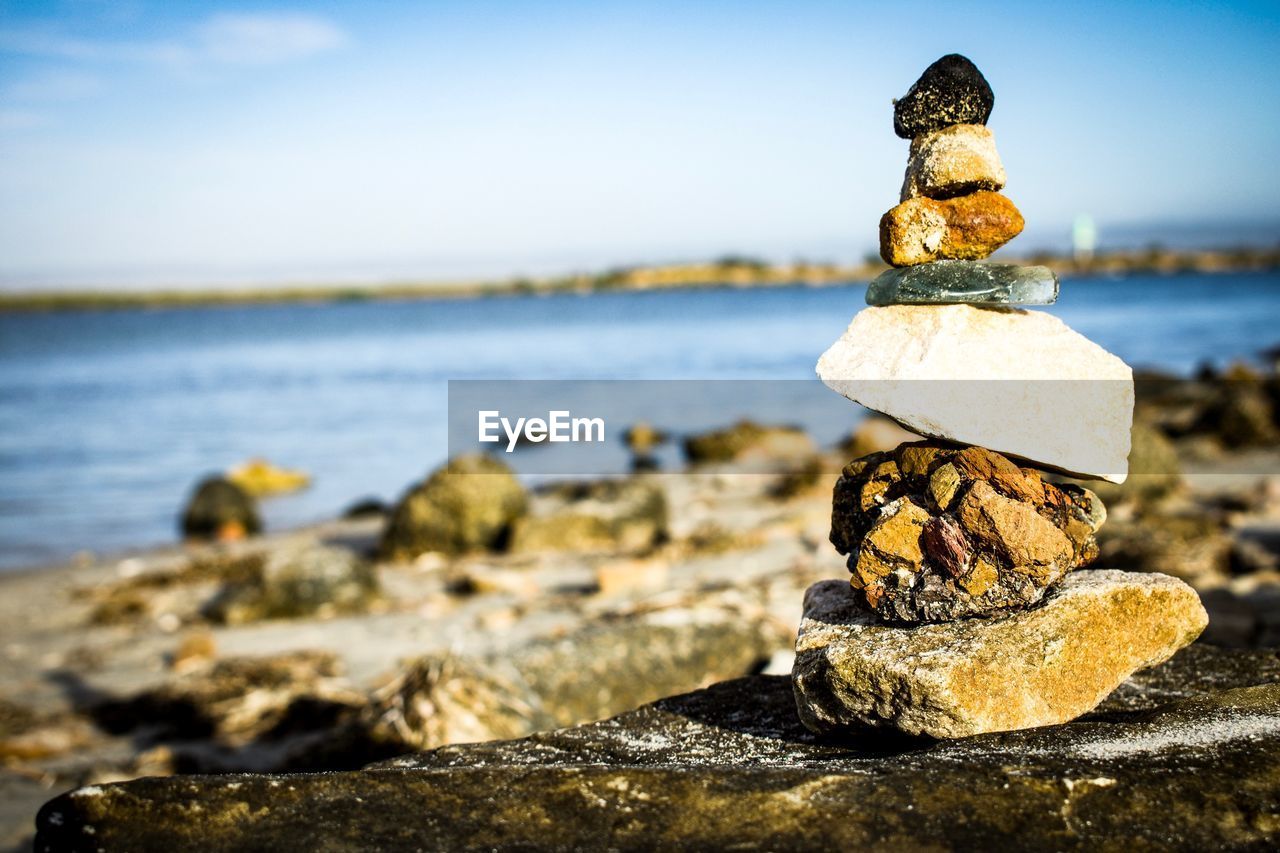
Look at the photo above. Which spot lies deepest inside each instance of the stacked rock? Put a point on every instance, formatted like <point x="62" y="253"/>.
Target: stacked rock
<point x="964" y="613"/>
<point x="951" y="211"/>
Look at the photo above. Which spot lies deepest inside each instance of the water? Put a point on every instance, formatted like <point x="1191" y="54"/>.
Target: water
<point x="107" y="419"/>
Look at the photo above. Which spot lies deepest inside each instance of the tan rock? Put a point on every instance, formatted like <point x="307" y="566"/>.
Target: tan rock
<point x="954" y="161"/>
<point x="625" y="577"/>
<point x="1031" y="543"/>
<point x="1039" y="667"/>
<point x="969" y="228"/>
<point x="943" y="484"/>
<point x="873" y="434"/>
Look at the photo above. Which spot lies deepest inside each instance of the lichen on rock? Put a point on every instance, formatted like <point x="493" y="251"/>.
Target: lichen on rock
<point x="1035" y="667"/>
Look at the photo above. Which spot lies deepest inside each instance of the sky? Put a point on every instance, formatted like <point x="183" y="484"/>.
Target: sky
<point x="149" y="144"/>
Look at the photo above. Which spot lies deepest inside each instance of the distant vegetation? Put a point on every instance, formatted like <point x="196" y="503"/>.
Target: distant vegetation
<point x="730" y="270"/>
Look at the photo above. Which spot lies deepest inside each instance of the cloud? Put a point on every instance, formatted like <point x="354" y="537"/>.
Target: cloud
<point x="52" y="86"/>
<point x="223" y="39"/>
<point x="55" y="46"/>
<point x="20" y="119"/>
<point x="244" y="39"/>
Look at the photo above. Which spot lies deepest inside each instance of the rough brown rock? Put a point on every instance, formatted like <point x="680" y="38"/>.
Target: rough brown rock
<point x="1039" y="667"/>
<point x="936" y="532"/>
<point x="970" y="227"/>
<point x="954" y="161"/>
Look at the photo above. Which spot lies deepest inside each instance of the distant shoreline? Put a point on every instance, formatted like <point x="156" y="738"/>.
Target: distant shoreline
<point x="726" y="272"/>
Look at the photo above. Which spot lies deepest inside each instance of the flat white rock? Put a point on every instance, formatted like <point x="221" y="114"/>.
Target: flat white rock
<point x="1019" y="382"/>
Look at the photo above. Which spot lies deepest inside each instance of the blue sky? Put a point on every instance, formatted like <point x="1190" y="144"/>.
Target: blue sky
<point x="147" y="143"/>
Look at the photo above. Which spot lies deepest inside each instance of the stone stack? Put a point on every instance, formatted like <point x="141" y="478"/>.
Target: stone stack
<point x="964" y="613"/>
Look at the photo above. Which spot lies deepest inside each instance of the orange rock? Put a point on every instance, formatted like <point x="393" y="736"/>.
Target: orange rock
<point x="970" y="227"/>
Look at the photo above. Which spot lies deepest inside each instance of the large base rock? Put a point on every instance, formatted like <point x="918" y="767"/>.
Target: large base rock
<point x="1018" y="382"/>
<point x="1183" y="757"/>
<point x="1036" y="668"/>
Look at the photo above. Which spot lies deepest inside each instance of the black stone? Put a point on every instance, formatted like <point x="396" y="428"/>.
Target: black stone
<point x="1185" y="756"/>
<point x="950" y="91"/>
<point x="216" y="504"/>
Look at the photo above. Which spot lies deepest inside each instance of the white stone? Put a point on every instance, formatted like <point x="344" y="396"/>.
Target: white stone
<point x="1019" y="382"/>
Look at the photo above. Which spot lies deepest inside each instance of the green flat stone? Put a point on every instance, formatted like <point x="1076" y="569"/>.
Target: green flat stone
<point x="971" y="282"/>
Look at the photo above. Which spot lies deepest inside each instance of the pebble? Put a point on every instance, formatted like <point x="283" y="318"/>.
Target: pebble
<point x="970" y="228"/>
<point x="971" y="282"/>
<point x="950" y="91"/>
<point x="956" y="160"/>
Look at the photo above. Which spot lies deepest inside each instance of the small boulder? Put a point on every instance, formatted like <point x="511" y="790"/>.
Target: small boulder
<point x="468" y="504"/>
<point x="874" y="434"/>
<point x="220" y="510"/>
<point x="297" y="581"/>
<point x="609" y="515"/>
<point x="1039" y="667"/>
<point x="643" y="438"/>
<point x="970" y="227"/>
<point x="748" y="442"/>
<point x="1155" y="472"/>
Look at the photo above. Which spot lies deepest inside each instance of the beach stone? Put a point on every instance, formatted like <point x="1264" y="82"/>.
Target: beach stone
<point x="934" y="532"/>
<point x="643" y="438"/>
<point x="262" y="478"/>
<point x="970" y="282"/>
<point x="1183" y="756"/>
<point x="468" y="504"/>
<point x="234" y="700"/>
<point x="749" y="443"/>
<point x="296" y="581"/>
<point x="220" y="510"/>
<point x="1155" y="472"/>
<point x="943" y="370"/>
<point x="872" y="435"/>
<point x="955" y="160"/>
<point x="970" y="227"/>
<point x="599" y="670"/>
<point x="1038" y="667"/>
<point x="950" y="91"/>
<point x="606" y="515"/>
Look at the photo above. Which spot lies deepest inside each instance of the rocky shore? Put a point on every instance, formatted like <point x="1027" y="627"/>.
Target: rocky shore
<point x="730" y="272"/>
<point x="336" y="647"/>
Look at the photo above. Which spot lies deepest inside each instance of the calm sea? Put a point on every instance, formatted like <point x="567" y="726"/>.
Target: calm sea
<point x="107" y="419"/>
